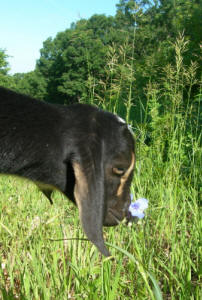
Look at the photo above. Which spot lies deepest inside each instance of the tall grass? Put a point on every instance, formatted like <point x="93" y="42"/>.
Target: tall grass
<point x="155" y="258"/>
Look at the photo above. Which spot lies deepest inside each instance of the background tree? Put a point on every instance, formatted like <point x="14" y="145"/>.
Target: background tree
<point x="5" y="79"/>
<point x="111" y="59"/>
<point x="31" y="83"/>
<point x="68" y="60"/>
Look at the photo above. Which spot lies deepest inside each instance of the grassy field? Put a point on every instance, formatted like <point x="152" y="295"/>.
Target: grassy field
<point x="155" y="258"/>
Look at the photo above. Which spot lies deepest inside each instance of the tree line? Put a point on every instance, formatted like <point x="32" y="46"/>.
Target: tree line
<point x="110" y="59"/>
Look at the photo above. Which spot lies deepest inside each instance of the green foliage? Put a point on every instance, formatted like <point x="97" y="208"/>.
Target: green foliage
<point x="135" y="64"/>
<point x="32" y="83"/>
<point x="74" y="66"/>
<point x="3" y="62"/>
<point x="155" y="258"/>
<point x="5" y="79"/>
<point x="69" y="59"/>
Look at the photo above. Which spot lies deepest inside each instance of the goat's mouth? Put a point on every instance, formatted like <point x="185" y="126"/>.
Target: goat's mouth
<point x="112" y="218"/>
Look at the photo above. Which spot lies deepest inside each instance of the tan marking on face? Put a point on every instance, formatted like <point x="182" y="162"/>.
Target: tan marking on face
<point x="125" y="176"/>
<point x="81" y="186"/>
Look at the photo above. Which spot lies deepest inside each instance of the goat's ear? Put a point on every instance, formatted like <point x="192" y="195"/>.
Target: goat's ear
<point x="89" y="196"/>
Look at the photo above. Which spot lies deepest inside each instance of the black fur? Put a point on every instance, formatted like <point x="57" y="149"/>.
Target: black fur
<point x="70" y="148"/>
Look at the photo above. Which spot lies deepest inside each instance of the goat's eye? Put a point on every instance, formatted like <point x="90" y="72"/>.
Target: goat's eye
<point x="118" y="171"/>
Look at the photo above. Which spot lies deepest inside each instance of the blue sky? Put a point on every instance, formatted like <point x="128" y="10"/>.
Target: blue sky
<point x="25" y="24"/>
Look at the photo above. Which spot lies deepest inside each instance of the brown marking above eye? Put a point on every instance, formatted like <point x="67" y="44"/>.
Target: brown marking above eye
<point x="118" y="171"/>
<point x="125" y="176"/>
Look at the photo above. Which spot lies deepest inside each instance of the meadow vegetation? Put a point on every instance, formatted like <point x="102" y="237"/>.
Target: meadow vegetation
<point x="157" y="257"/>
